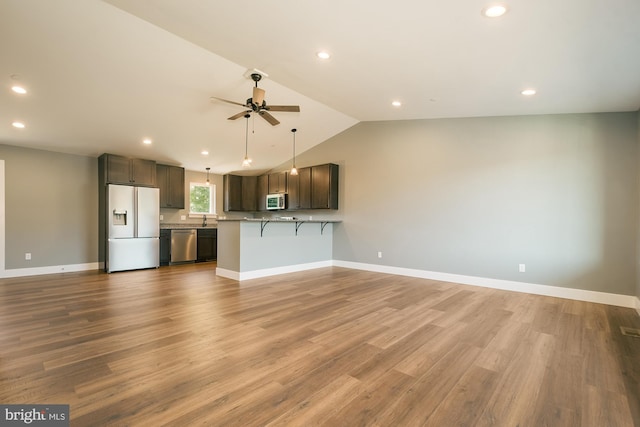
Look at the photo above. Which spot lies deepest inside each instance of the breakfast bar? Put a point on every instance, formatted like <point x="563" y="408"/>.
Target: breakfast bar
<point x="249" y="248"/>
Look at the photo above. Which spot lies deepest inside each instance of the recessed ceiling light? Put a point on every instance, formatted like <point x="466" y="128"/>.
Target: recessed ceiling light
<point x="494" y="11"/>
<point x="18" y="125"/>
<point x="323" y="55"/>
<point x="19" y="89"/>
<point x="147" y="141"/>
<point x="204" y="152"/>
<point x="396" y="103"/>
<point x="528" y="92"/>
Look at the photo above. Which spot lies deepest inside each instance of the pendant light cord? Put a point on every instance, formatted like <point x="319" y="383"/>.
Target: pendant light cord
<point x="294" y="147"/>
<point x="246" y="138"/>
<point x="294" y="171"/>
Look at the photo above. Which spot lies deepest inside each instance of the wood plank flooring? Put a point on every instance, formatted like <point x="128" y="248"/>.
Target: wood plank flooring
<point x="179" y="346"/>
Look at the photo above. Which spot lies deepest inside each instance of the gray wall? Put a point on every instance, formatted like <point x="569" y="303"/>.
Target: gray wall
<point x="51" y="205"/>
<point x="478" y="196"/>
<point x="638" y="253"/>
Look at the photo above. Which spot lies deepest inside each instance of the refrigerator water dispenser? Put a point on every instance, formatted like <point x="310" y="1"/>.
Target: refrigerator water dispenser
<point x="119" y="217"/>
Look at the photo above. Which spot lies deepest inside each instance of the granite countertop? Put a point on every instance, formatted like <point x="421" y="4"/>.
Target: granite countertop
<point x="279" y="220"/>
<point x="169" y="226"/>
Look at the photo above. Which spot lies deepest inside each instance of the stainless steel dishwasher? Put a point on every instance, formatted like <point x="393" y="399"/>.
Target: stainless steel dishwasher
<point x="183" y="245"/>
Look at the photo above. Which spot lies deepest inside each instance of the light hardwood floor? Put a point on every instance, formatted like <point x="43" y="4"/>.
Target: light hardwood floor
<point x="179" y="346"/>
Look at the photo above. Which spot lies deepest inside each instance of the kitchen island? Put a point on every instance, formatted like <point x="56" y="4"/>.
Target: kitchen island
<point x="249" y="248"/>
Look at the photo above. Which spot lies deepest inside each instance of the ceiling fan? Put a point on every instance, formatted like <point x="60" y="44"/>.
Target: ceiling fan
<point x="257" y="104"/>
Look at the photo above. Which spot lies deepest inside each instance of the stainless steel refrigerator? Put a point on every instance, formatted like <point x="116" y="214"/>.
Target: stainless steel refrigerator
<point x="133" y="228"/>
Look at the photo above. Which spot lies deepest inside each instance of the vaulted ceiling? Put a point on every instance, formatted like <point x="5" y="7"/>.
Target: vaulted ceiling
<point x="103" y="75"/>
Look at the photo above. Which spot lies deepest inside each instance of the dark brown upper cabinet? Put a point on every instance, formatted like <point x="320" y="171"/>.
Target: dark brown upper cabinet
<point x="324" y="186"/>
<point x="299" y="196"/>
<point x="278" y="182"/>
<point x="314" y="187"/>
<point x="127" y="171"/>
<point x="262" y="191"/>
<point x="239" y="193"/>
<point x="249" y="193"/>
<point x="232" y="188"/>
<point x="170" y="180"/>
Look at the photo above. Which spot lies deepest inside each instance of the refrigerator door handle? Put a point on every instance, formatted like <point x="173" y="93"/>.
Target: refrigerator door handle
<point x="137" y="210"/>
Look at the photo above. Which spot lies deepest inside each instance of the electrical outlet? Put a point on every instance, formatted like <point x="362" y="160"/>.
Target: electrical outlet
<point x="161" y="217"/>
<point x="27" y="256"/>
<point x="522" y="268"/>
<point x="379" y="254"/>
<point x="183" y="217"/>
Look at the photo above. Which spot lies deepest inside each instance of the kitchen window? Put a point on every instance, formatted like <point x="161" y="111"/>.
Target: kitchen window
<point x="202" y="199"/>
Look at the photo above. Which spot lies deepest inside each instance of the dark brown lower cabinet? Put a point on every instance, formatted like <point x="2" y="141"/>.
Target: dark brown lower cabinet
<point x="165" y="247"/>
<point x="207" y="244"/>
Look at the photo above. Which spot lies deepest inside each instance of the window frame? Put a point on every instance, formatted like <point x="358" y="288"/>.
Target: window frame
<point x="212" y="200"/>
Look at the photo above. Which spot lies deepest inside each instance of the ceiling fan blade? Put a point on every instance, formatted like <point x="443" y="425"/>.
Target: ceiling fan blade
<point x="226" y="100"/>
<point x="258" y="95"/>
<point x="268" y="117"/>
<point x="237" y="116"/>
<point x="288" y="108"/>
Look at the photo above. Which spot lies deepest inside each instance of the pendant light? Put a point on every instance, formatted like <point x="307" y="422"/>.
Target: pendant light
<point x="247" y="161"/>
<point x="294" y="171"/>
<point x="208" y="169"/>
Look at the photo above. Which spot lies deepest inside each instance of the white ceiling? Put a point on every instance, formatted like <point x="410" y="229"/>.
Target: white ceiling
<point x="103" y="75"/>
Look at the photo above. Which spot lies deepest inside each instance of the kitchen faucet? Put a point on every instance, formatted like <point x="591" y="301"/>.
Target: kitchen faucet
<point x="204" y="220"/>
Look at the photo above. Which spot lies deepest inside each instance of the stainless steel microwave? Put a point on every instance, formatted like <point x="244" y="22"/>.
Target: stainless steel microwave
<point x="276" y="201"/>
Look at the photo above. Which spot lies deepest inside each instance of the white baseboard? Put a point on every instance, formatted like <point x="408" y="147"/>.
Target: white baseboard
<point x="628" y="301"/>
<point x="229" y="274"/>
<point x="36" y="271"/>
<point x="256" y="274"/>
